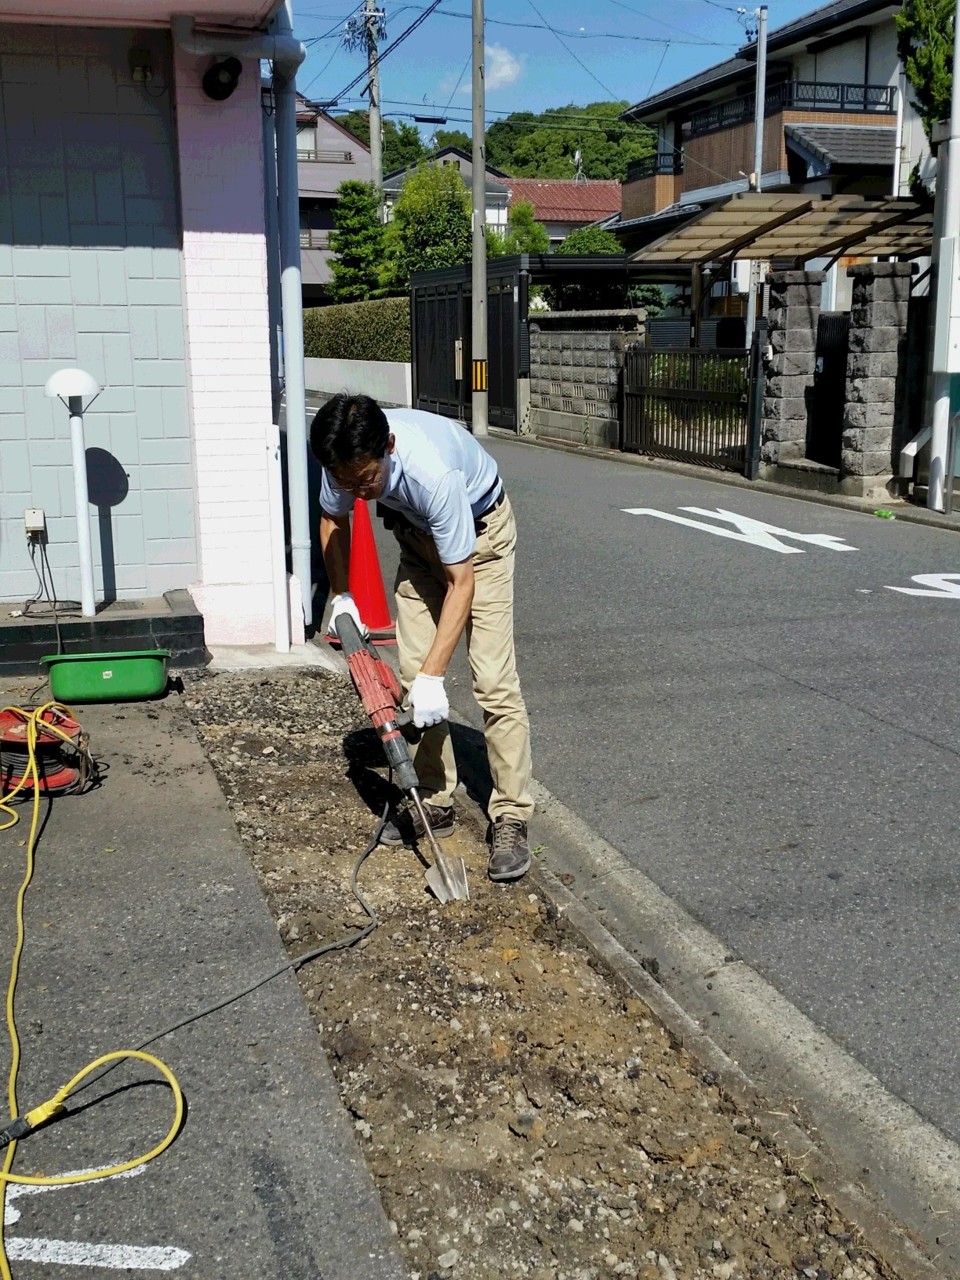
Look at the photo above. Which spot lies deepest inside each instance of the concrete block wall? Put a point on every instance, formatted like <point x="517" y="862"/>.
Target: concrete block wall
<point x="874" y="423"/>
<point x="793" y="314"/>
<point x="576" y="361"/>
<point x="225" y="300"/>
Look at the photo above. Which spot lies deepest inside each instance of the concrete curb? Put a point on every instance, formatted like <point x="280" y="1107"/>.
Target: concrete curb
<point x="902" y="510"/>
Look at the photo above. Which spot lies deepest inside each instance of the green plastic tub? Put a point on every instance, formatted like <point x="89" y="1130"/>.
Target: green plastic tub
<point x="107" y="677"/>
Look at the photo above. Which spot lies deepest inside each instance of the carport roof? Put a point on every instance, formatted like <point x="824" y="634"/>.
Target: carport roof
<point x="796" y="227"/>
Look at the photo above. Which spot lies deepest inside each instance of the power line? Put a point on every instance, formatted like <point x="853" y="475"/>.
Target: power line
<point x="574" y="117"/>
<point x="336" y="50"/>
<point x="338" y="25"/>
<point x="666" y="50"/>
<point x="579" y="61"/>
<point x="659" y="21"/>
<point x="389" y="49"/>
<point x="588" y="35"/>
<point x="523" y="124"/>
<point x="571" y="128"/>
<point x="463" y="72"/>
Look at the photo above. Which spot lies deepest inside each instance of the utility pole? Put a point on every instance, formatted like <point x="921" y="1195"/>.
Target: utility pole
<point x="365" y="34"/>
<point x="946" y="355"/>
<point x="374" y="22"/>
<point x="479" y="184"/>
<point x="756" y="178"/>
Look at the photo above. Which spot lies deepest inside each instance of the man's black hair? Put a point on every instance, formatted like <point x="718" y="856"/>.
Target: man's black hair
<point x="349" y="429"/>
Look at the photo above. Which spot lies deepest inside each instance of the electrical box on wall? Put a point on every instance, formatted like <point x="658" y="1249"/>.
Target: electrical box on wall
<point x="34" y="521"/>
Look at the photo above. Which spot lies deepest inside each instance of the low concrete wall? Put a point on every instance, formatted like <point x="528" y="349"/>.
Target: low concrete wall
<point x="576" y="359"/>
<point x="389" y="383"/>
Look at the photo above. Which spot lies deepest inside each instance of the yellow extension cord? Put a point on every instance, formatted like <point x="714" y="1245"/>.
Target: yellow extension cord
<point x="39" y="1115"/>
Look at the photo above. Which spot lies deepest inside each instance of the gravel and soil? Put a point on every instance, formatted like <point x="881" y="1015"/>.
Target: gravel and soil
<point x="520" y="1115"/>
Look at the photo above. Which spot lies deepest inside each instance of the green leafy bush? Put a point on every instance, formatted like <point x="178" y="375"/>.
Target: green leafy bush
<point x="377" y="330"/>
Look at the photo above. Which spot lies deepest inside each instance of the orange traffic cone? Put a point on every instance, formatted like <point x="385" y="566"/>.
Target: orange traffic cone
<point x="366" y="579"/>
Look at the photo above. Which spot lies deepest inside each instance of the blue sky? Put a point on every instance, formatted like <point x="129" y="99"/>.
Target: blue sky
<point x="603" y="49"/>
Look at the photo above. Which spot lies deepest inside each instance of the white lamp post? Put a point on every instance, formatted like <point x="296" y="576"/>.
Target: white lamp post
<point x="72" y="386"/>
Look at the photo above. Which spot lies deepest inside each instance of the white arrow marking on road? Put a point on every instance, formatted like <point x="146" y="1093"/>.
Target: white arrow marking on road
<point x="77" y="1253"/>
<point x="935" y="584"/>
<point x="756" y="532"/>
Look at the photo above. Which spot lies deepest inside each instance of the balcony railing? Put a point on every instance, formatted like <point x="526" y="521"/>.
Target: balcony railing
<point x="310" y="239"/>
<point x="796" y="95"/>
<point x="667" y="164"/>
<point x="326" y="157"/>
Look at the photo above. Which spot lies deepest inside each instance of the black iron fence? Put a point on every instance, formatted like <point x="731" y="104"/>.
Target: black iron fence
<point x="795" y="95"/>
<point x="693" y="406"/>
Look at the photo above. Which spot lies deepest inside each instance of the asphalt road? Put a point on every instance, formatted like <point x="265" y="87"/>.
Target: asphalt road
<point x="769" y="735"/>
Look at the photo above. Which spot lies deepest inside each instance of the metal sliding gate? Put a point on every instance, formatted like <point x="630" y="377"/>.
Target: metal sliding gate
<point x="440" y="321"/>
<point x="692" y="405"/>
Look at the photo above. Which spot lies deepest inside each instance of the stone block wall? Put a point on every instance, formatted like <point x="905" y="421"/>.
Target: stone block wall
<point x="875" y="423"/>
<point x="793" y="314"/>
<point x="576" y="361"/>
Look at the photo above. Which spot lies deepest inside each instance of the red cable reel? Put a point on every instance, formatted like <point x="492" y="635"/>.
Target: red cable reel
<point x="56" y="774"/>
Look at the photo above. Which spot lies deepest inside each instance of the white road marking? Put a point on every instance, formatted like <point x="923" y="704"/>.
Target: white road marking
<point x="78" y="1253"/>
<point x="757" y="532"/>
<point x="17" y="1190"/>
<point x="115" y="1257"/>
<point x="944" y="585"/>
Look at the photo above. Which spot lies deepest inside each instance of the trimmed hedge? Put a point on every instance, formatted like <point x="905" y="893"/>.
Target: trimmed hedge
<point x="377" y="330"/>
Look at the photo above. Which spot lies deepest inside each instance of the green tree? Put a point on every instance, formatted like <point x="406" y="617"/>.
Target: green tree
<point x="402" y="146"/>
<point x="523" y="234"/>
<point x="357" y="123"/>
<point x="357" y="243"/>
<point x="590" y="240"/>
<point x="925" y="45"/>
<point x="452" y="138"/>
<point x="527" y="145"/>
<point x="431" y="224"/>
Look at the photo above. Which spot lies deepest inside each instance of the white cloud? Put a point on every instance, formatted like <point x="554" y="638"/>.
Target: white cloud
<point x="502" y="68"/>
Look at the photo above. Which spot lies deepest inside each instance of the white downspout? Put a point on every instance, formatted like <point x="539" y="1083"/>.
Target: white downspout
<point x="898" y="138"/>
<point x="278" y="547"/>
<point x="291" y="293"/>
<point x="286" y="53"/>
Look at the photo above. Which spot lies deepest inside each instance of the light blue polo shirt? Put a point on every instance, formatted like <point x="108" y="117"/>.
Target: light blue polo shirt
<point x="440" y="479"/>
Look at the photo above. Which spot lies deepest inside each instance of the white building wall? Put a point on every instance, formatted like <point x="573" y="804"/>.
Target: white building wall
<point x="844" y="64"/>
<point x="883" y="63"/>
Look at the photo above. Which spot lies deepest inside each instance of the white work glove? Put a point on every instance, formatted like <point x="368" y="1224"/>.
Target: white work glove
<point x="345" y="603"/>
<point x="428" y="701"/>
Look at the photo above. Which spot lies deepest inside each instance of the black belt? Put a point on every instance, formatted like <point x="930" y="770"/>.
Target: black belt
<point x="493" y="505"/>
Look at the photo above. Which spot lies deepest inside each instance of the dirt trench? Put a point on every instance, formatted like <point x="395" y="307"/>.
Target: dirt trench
<point x="519" y="1114"/>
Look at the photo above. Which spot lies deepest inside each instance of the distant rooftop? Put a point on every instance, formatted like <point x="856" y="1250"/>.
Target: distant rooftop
<point x="565" y="200"/>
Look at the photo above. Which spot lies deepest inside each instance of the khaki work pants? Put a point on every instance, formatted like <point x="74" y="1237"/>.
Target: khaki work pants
<point x="420" y="588"/>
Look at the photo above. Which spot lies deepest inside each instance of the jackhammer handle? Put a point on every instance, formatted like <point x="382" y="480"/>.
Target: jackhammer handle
<point x="348" y="633"/>
<point x="406" y="726"/>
